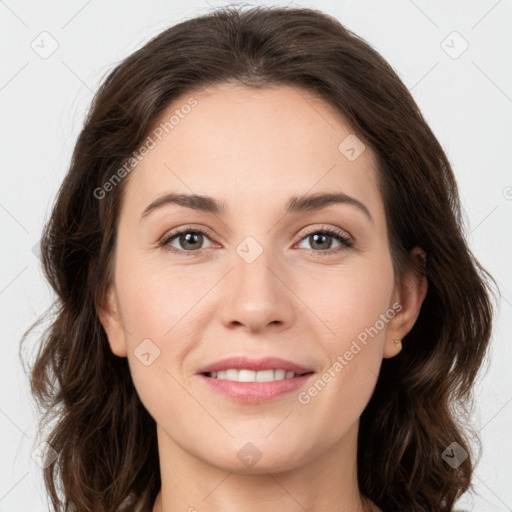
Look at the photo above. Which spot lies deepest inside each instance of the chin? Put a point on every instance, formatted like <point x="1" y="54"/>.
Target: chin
<point x="257" y="457"/>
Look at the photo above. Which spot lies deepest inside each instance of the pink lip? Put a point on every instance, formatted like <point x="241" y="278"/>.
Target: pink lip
<point x="255" y="392"/>
<point x="244" y="362"/>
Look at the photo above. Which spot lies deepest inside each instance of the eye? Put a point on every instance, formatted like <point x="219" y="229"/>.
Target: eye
<point x="322" y="239"/>
<point x="190" y="239"/>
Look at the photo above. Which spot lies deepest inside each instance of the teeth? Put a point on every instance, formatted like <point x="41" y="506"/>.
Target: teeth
<point x="252" y="376"/>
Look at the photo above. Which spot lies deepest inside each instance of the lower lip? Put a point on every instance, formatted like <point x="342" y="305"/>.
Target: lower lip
<point x="254" y="392"/>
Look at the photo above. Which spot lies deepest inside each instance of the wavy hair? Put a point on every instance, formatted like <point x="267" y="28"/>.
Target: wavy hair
<point x="105" y="439"/>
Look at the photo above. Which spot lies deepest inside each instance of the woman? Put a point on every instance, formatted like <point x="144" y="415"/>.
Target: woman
<point x="202" y="357"/>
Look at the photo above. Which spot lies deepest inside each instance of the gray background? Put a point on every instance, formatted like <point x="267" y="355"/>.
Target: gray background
<point x="466" y="96"/>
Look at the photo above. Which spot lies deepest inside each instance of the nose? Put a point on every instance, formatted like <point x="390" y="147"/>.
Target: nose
<point x="255" y="295"/>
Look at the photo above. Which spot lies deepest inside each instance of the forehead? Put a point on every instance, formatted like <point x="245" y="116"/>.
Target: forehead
<point x="245" y="145"/>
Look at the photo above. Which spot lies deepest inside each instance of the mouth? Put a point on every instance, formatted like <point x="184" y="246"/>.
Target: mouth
<point x="247" y="380"/>
<point x="245" y="369"/>
<point x="246" y="375"/>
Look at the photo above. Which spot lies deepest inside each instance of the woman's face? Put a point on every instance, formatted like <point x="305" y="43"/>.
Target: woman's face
<point x="262" y="281"/>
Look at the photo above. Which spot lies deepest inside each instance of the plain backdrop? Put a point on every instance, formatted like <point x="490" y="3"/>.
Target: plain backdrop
<point x="455" y="57"/>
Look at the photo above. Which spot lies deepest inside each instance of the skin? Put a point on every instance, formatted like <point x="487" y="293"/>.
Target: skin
<point x="253" y="149"/>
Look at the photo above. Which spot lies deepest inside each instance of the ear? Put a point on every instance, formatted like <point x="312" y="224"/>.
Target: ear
<point x="410" y="295"/>
<point x="112" y="323"/>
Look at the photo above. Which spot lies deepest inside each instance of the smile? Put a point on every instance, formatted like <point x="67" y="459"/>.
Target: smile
<point x="252" y="391"/>
<point x="244" y="375"/>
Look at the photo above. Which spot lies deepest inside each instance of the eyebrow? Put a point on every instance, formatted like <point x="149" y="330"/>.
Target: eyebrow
<point x="296" y="204"/>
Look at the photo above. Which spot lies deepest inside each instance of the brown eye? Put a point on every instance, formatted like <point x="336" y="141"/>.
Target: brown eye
<point x="185" y="240"/>
<point x="322" y="240"/>
<point x="190" y="240"/>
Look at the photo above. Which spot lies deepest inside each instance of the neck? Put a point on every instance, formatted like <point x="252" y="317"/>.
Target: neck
<point x="326" y="483"/>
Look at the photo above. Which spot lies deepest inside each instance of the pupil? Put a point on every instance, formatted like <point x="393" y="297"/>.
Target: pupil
<point x="315" y="238"/>
<point x="188" y="238"/>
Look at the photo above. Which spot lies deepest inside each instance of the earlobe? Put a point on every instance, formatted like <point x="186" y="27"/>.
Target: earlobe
<point x="411" y="295"/>
<point x="112" y="324"/>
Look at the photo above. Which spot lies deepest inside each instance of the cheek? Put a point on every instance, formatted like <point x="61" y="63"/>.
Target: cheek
<point x="355" y="306"/>
<point x="157" y="300"/>
<point x="160" y="312"/>
<point x="351" y="299"/>
<point x="342" y="389"/>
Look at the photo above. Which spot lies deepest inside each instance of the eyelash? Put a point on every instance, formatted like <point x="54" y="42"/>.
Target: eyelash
<point x="334" y="232"/>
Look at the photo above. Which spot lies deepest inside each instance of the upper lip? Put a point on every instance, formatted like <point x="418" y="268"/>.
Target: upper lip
<point x="244" y="362"/>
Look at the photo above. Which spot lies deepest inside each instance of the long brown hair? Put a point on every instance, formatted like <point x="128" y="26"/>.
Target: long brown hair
<point x="105" y="439"/>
